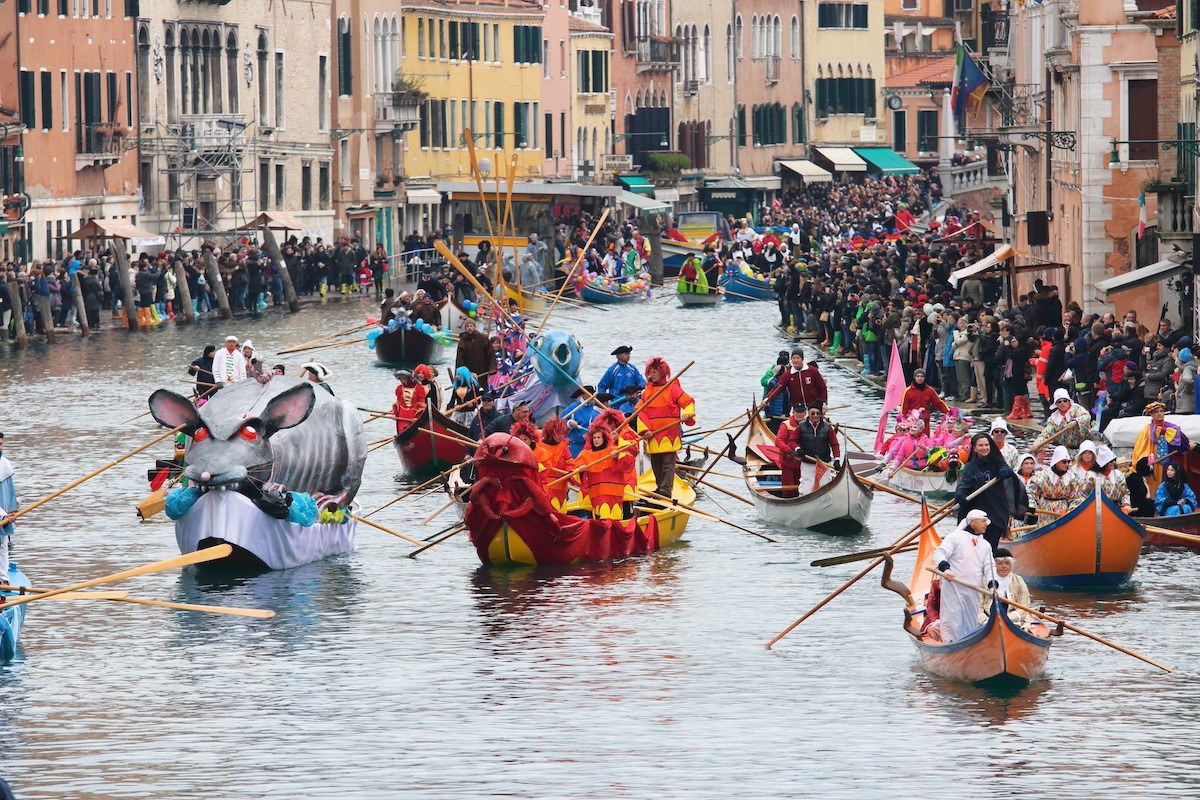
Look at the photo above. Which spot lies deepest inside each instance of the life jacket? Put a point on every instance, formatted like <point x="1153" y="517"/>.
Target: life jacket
<point x="662" y="415"/>
<point x="815" y="442"/>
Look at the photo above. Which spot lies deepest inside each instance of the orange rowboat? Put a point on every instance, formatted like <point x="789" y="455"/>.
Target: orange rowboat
<point x="996" y="650"/>
<point x="1093" y="544"/>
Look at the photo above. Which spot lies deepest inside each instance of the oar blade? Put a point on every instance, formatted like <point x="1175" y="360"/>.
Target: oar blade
<point x="253" y="613"/>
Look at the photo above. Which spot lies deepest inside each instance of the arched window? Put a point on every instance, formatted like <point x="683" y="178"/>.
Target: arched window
<point x="231" y="70"/>
<point x="795" y="37"/>
<point x="215" y="70"/>
<point x="706" y="56"/>
<point x="203" y="64"/>
<point x="345" y="59"/>
<point x="144" y="80"/>
<point x="172" y="108"/>
<point x="377" y="54"/>
<point x="737" y="37"/>
<point x="777" y="39"/>
<point x="729" y="60"/>
<point x="263" y="79"/>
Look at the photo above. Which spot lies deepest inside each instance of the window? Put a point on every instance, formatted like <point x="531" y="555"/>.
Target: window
<point x="520" y="124"/>
<point x="64" y="7"/>
<point x="498" y="123"/>
<point x="842" y="15"/>
<point x="323" y="184"/>
<point x="264" y="185"/>
<point x="442" y="39"/>
<point x="279" y="84"/>
<point x="910" y="5"/>
<point x="28" y="109"/>
<point x="487" y="43"/>
<point x="741" y="126"/>
<point x="345" y="65"/>
<point x="795" y="37"/>
<point x="306" y="186"/>
<point x="231" y="70"/>
<point x="770" y="125"/>
<point x="264" y="80"/>
<point x="23" y="6"/>
<point x="146" y="179"/>
<point x="344" y="163"/>
<point x="47" y="101"/>
<point x="420" y="37"/>
<point x="455" y="50"/>
<point x="280" y="184"/>
<point x="132" y="8"/>
<point x="729" y="53"/>
<point x="64" y="99"/>
<point x="496" y="43"/>
<point x="927" y="130"/>
<point x="845" y="96"/>
<point x="487" y="123"/>
<point x="799" y="134"/>
<point x="737" y="38"/>
<point x="114" y="96"/>
<point x="527" y="48"/>
<point x="1142" y="111"/>
<point x="43" y="7"/>
<point x="545" y="58"/>
<point x="548" y="135"/>
<point x="899" y="131"/>
<point x="128" y="97"/>
<point x="322" y="91"/>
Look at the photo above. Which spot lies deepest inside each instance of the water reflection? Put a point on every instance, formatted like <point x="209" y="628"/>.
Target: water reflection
<point x="991" y="704"/>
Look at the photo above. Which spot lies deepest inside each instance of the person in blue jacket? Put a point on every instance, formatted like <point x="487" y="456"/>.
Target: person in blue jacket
<point x="579" y="417"/>
<point x="1174" y="497"/>
<point x="621" y="373"/>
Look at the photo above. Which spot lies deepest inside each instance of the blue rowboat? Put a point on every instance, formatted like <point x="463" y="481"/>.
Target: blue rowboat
<point x="592" y="294"/>
<point x="743" y="287"/>
<point x="12" y="619"/>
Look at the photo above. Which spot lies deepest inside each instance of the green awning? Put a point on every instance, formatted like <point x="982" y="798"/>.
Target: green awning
<point x="887" y="161"/>
<point x="636" y="184"/>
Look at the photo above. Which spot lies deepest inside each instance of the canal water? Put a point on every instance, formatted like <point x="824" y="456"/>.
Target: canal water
<point x="384" y="676"/>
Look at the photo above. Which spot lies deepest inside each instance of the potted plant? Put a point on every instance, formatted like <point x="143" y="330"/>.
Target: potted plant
<point x="407" y="90"/>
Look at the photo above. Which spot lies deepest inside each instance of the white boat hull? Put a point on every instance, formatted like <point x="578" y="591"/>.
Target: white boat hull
<point x="844" y="507"/>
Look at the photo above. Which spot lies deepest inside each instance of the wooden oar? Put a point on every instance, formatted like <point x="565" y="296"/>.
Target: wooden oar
<point x="23" y="511"/>
<point x="743" y="296"/>
<point x="1183" y="537"/>
<point x="377" y="526"/>
<point x="690" y="468"/>
<point x="437" y="513"/>
<point x="100" y="595"/>
<point x="378" y="446"/>
<point x="457" y="530"/>
<point x="330" y="346"/>
<point x="1055" y="620"/>
<point x="416" y="489"/>
<point x="578" y="260"/>
<point x="299" y="347"/>
<point x="936" y="517"/>
<point x="197" y="557"/>
<point x="838" y="429"/>
<point x="678" y="506"/>
<point x="711" y="485"/>
<point x="124" y="597"/>
<point x="850" y="558"/>
<point x="137" y="416"/>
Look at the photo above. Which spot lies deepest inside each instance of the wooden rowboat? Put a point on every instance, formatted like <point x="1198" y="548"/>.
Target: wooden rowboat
<point x="606" y="297"/>
<point x="12" y="620"/>
<point x="693" y="299"/>
<point x="744" y="287"/>
<point x="1093" y="544"/>
<point x="407" y="347"/>
<point x="422" y="452"/>
<point x="511" y="521"/>
<point x="997" y="650"/>
<point x="1184" y="523"/>
<point x="840" y="507"/>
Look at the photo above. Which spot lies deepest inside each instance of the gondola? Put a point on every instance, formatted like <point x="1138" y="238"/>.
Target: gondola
<point x="12" y="620"/>
<point x="840" y="507"/>
<point x="693" y="299"/>
<point x="408" y="347"/>
<point x="607" y="297"/>
<point x="511" y="521"/>
<point x="1093" y="544"/>
<point x="423" y="452"/>
<point x="997" y="650"/>
<point x="1184" y="523"/>
<point x="739" y="286"/>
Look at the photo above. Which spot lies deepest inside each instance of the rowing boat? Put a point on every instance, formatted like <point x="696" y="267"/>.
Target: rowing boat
<point x="12" y="620"/>
<point x="840" y="507"/>
<point x="605" y="297"/>
<point x="408" y="347"/>
<point x="998" y="649"/>
<point x="934" y="484"/>
<point x="428" y="444"/>
<point x="511" y="521"/>
<point x="693" y="299"/>
<point x="1093" y="544"/>
<point x="1184" y="523"/>
<point x="741" y="286"/>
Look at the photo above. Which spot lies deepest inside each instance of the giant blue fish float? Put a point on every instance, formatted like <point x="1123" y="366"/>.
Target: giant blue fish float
<point x="555" y="358"/>
<point x="272" y="469"/>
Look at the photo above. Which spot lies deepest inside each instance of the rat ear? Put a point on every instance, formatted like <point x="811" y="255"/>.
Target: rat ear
<point x="289" y="409"/>
<point x="173" y="410"/>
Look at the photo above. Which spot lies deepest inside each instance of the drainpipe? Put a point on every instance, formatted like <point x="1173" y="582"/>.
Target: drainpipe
<point x="803" y="76"/>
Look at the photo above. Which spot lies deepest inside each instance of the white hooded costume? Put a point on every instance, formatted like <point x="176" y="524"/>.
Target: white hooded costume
<point x="969" y="557"/>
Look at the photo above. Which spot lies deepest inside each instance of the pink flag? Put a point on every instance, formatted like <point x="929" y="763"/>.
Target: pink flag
<point x="893" y="396"/>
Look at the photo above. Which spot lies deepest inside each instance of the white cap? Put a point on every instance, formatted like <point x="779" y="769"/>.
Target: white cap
<point x="231" y="338"/>
<point x="1105" y="455"/>
<point x="1088" y="446"/>
<point x="999" y="424"/>
<point x="316" y="369"/>
<point x="975" y="514"/>
<point x="1024" y="456"/>
<point x="1061" y="453"/>
<point x="1061" y="394"/>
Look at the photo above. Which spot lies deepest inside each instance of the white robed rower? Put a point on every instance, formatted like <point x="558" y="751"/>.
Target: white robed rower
<point x="965" y="556"/>
<point x="8" y="505"/>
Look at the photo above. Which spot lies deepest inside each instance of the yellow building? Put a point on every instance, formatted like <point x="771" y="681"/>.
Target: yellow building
<point x="592" y="104"/>
<point x="844" y="72"/>
<point x="481" y="63"/>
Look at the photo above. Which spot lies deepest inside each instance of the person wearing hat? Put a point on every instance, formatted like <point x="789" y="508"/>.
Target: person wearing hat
<point x="503" y="423"/>
<point x="1112" y="480"/>
<point x="1185" y="389"/>
<point x="248" y="355"/>
<point x="628" y="400"/>
<point x="229" y="365"/>
<point x="409" y="405"/>
<point x="920" y="396"/>
<point x="1000" y="431"/>
<point x="1058" y="489"/>
<point x="621" y="373"/>
<point x="1009" y="585"/>
<point x="1000" y="501"/>
<point x="314" y="372"/>
<point x="964" y="555"/>
<point x="1085" y="462"/>
<point x="1158" y="442"/>
<point x="484" y="416"/>
<point x="802" y="382"/>
<point x="1069" y="424"/>
<point x="579" y="416"/>
<point x="791" y="454"/>
<point x="775" y="401"/>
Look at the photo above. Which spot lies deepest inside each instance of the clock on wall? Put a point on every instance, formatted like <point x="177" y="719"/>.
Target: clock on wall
<point x="894" y="102"/>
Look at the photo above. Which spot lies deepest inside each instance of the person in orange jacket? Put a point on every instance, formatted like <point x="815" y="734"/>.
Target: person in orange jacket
<point x="602" y="481"/>
<point x="658" y="423"/>
<point x="554" y="460"/>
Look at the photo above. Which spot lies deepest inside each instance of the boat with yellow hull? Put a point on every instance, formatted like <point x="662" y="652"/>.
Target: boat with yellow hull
<point x="998" y="649"/>
<point x="1093" y="544"/>
<point x="511" y="521"/>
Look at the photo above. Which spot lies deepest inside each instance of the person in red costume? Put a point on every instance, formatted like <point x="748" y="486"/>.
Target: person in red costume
<point x="410" y="400"/>
<point x="602" y="480"/>
<point x="802" y="382"/>
<point x="920" y="395"/>
<point x="554" y="461"/>
<point x="791" y="457"/>
<point x="658" y="422"/>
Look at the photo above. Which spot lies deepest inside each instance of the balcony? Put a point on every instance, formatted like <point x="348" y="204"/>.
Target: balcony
<point x="99" y="144"/>
<point x="970" y="177"/>
<point x="657" y="54"/>
<point x="397" y="111"/>
<point x="1175" y="209"/>
<point x="771" y="67"/>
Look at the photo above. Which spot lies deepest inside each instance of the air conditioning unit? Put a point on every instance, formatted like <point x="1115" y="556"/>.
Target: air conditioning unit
<point x="691" y="87"/>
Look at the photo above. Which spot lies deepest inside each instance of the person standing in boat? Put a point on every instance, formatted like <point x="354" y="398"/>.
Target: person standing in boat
<point x="1057" y="490"/>
<point x="202" y="369"/>
<point x="658" y="423"/>
<point x="1158" y="442"/>
<point x="964" y="555"/>
<point x="1000" y="433"/>
<point x="228" y="364"/>
<point x="621" y="373"/>
<point x="579" y="417"/>
<point x="602" y="480"/>
<point x="803" y="382"/>
<point x="314" y="372"/>
<point x="1009" y="585"/>
<point x="8" y="505"/>
<point x="1069" y="424"/>
<point x="410" y="400"/>
<point x="920" y="396"/>
<point x="1000" y="500"/>
<point x="554" y="460"/>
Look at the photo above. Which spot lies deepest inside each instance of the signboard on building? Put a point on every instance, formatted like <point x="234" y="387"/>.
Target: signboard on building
<point x="616" y="162"/>
<point x="868" y="133"/>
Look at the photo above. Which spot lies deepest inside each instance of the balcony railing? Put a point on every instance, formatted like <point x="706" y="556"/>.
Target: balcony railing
<point x="400" y="109"/>
<point x="657" y="53"/>
<point x="99" y="144"/>
<point x="1020" y="104"/>
<point x="967" y="177"/>
<point x="1175" y="212"/>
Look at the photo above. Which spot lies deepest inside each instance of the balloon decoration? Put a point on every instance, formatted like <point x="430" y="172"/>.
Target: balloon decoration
<point x="641" y="285"/>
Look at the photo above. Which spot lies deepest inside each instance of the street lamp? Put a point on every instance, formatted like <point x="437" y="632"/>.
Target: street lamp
<point x="663" y="142"/>
<point x="1189" y="146"/>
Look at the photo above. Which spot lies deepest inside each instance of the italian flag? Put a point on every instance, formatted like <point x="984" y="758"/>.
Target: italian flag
<point x="1141" y="215"/>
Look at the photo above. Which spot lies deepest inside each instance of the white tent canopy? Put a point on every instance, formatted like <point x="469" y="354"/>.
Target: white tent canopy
<point x="1004" y="252"/>
<point x="807" y="170"/>
<point x="843" y="159"/>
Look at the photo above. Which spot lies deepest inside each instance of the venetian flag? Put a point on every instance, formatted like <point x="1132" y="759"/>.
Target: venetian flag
<point x="892" y="396"/>
<point x="1141" y="215"/>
